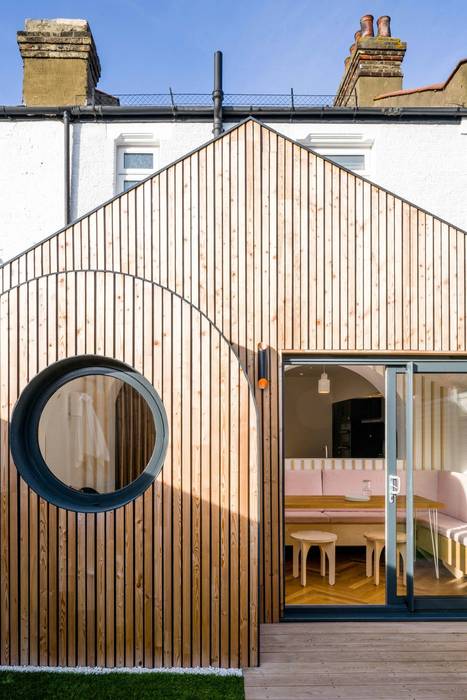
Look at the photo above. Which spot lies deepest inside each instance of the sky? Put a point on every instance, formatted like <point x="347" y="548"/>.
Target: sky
<point x="270" y="46"/>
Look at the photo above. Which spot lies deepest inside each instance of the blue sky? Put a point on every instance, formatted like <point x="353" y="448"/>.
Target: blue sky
<point x="269" y="45"/>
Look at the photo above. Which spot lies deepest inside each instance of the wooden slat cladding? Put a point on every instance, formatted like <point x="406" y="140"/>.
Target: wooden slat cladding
<point x="272" y="243"/>
<point x="135" y="586"/>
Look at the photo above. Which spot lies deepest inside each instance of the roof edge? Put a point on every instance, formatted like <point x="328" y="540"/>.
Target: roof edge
<point x="434" y="87"/>
<point x="154" y="113"/>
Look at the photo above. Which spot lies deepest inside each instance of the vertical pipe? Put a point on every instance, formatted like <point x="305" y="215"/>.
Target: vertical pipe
<point x="217" y="94"/>
<point x="66" y="166"/>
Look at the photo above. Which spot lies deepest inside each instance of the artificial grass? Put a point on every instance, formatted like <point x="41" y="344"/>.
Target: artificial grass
<point x="113" y="686"/>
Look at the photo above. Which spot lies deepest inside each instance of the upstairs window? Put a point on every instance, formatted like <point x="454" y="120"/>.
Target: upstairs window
<point x="351" y="150"/>
<point x="135" y="162"/>
<point x="354" y="161"/>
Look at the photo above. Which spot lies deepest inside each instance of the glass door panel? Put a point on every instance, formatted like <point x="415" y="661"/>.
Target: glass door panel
<point x="398" y="461"/>
<point x="440" y="483"/>
<point x="402" y="448"/>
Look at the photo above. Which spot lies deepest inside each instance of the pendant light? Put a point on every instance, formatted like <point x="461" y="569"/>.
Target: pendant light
<point x="324" y="384"/>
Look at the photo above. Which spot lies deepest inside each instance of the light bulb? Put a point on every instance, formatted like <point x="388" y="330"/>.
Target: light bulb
<point x="324" y="385"/>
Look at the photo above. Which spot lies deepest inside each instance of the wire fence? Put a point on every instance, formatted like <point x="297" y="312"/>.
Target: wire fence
<point x="181" y="100"/>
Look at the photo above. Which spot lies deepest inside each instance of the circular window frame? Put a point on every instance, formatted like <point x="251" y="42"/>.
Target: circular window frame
<point x="24" y="434"/>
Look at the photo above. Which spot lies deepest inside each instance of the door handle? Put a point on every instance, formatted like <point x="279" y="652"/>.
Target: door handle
<point x="394" y="488"/>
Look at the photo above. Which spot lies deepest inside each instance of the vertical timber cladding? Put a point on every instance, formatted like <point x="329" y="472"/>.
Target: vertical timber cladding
<point x="272" y="243"/>
<point x="171" y="578"/>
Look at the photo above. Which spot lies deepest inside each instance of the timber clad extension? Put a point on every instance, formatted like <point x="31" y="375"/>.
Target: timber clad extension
<point x="251" y="238"/>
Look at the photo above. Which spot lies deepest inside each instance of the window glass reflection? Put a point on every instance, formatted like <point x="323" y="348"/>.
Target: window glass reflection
<point x="96" y="434"/>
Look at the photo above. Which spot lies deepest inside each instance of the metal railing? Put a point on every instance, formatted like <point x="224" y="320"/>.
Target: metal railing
<point x="184" y="100"/>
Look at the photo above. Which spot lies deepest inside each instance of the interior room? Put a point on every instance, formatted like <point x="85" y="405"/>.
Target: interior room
<point x="96" y="434"/>
<point x="335" y="481"/>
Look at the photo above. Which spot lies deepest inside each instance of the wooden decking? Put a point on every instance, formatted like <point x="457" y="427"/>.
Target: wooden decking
<point x="361" y="661"/>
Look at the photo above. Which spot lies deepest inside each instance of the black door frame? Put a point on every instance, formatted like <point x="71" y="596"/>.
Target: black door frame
<point x="396" y="607"/>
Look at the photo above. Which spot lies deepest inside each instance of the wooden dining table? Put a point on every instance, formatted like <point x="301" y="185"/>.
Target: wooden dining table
<point x="420" y="503"/>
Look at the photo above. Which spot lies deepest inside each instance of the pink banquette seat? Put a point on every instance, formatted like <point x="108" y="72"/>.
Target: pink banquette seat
<point x="304" y="482"/>
<point x="348" y="482"/>
<point x="452" y="493"/>
<point x="446" y="487"/>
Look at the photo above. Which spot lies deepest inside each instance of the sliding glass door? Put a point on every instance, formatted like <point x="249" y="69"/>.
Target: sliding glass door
<point x="375" y="460"/>
<point x="427" y="485"/>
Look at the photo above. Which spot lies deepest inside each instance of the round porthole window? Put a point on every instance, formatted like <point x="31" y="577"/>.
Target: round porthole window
<point x="89" y="434"/>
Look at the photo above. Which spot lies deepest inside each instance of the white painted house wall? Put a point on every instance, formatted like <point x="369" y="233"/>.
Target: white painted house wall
<point x="425" y="163"/>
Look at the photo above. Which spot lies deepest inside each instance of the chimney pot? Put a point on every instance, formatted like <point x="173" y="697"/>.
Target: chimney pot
<point x="366" y="24"/>
<point x="384" y="26"/>
<point x="373" y="66"/>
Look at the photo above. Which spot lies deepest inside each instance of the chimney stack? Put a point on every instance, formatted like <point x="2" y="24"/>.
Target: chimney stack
<point x="373" y="66"/>
<point x="61" y="65"/>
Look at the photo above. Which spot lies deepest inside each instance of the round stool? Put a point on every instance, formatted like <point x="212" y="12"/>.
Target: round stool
<point x="326" y="541"/>
<point x="375" y="543"/>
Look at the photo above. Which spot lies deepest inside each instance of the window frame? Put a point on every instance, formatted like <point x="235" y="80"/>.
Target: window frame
<point x="338" y="153"/>
<point x="24" y="434"/>
<point x="330" y="144"/>
<point x="135" y="174"/>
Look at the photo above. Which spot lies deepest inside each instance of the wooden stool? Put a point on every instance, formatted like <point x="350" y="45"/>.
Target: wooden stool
<point x="375" y="543"/>
<point x="326" y="541"/>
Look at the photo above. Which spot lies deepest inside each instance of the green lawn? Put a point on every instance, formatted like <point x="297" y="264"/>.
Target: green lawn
<point x="71" y="686"/>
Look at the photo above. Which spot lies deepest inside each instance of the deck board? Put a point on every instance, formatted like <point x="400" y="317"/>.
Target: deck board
<point x="360" y="660"/>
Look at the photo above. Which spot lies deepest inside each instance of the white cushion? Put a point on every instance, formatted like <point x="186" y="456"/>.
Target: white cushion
<point x="452" y="528"/>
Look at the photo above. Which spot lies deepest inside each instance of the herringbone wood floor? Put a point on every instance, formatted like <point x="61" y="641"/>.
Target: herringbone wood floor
<point x="352" y="587"/>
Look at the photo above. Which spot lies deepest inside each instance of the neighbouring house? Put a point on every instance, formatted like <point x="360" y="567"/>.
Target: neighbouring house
<point x="105" y="144"/>
<point x="235" y="392"/>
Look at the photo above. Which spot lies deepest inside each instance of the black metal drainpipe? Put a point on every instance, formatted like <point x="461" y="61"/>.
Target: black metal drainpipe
<point x="217" y="94"/>
<point x="66" y="166"/>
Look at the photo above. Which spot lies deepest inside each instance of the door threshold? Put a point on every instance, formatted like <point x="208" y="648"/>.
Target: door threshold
<point x="376" y="613"/>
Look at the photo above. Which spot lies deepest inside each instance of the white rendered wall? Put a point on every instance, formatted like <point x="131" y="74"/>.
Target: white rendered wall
<point x="31" y="183"/>
<point x="94" y="154"/>
<point x="31" y="171"/>
<point x="424" y="163"/>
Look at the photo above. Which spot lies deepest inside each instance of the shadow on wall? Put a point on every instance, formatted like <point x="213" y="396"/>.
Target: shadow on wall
<point x="168" y="580"/>
<point x="171" y="578"/>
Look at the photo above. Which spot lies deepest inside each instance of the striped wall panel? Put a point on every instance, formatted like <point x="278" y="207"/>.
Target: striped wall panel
<point x="275" y="244"/>
<point x="171" y="578"/>
<point x="330" y="463"/>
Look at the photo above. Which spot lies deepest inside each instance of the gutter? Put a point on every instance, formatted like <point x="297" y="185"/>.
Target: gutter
<point x="236" y="114"/>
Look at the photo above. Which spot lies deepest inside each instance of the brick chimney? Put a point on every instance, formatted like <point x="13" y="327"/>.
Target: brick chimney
<point x="373" y="66"/>
<point x="61" y="65"/>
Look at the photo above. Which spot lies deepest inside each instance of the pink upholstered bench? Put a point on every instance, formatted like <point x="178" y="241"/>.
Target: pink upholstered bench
<point x="348" y="525"/>
<point x="451" y="491"/>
